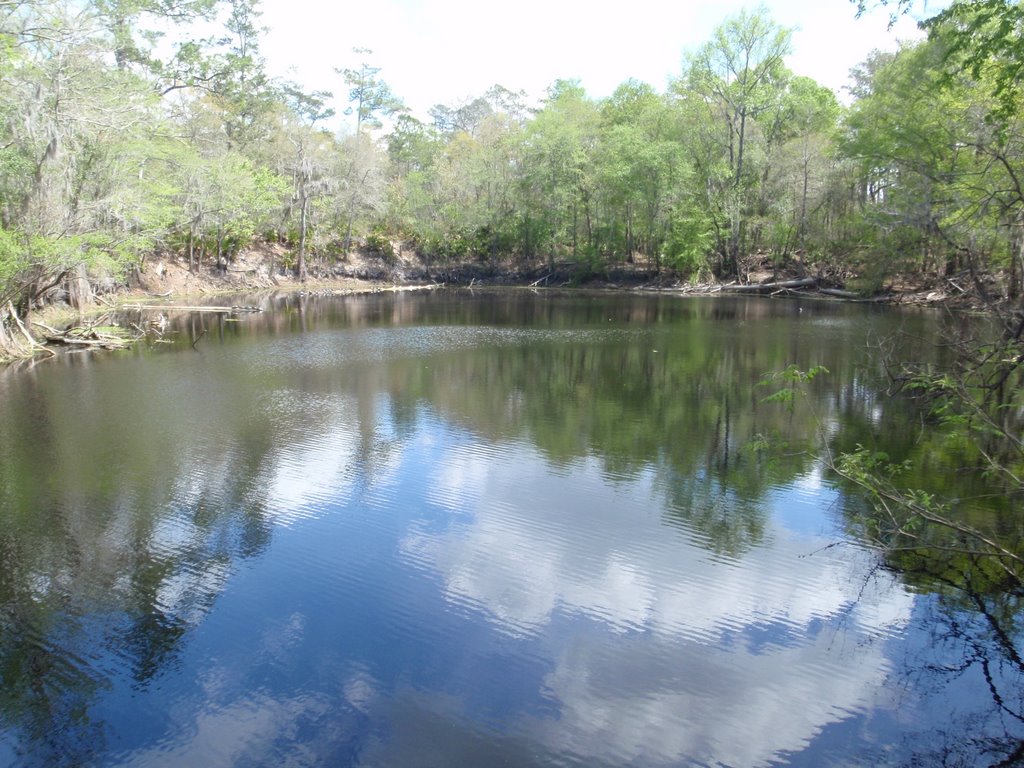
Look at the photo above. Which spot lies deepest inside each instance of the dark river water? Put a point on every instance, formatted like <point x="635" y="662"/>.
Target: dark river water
<point x="480" y="529"/>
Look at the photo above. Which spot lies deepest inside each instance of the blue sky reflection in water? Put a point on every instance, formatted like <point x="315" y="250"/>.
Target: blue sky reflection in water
<point x="392" y="582"/>
<point x="450" y="605"/>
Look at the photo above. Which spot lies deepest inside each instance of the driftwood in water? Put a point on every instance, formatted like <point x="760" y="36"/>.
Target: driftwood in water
<point x="100" y="342"/>
<point x="91" y="338"/>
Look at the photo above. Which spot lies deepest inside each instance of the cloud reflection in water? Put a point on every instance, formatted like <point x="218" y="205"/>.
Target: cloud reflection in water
<point x="661" y="651"/>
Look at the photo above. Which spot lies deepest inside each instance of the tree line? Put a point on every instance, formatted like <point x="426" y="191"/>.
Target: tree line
<point x="114" y="147"/>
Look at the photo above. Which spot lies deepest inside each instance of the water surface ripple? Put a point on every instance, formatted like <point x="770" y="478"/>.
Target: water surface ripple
<point x="523" y="530"/>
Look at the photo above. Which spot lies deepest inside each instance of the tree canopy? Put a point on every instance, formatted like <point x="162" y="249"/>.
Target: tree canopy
<point x="110" y="153"/>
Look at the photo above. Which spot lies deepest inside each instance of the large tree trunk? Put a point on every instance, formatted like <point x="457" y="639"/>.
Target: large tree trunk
<point x="79" y="290"/>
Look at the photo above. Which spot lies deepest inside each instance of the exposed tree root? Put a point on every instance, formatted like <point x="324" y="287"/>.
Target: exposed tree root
<point x="16" y="343"/>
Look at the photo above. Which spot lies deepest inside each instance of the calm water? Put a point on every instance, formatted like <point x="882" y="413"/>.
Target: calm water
<point x="474" y="530"/>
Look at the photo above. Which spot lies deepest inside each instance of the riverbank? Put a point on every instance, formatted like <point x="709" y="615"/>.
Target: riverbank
<point x="268" y="267"/>
<point x="265" y="269"/>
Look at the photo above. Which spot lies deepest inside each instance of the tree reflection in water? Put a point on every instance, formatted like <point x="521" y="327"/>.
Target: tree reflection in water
<point x="177" y="468"/>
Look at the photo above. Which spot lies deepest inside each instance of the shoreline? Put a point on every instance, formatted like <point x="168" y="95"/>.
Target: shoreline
<point x="168" y="285"/>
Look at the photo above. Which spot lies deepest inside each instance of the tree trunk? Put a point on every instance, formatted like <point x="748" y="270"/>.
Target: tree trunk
<point x="739" y="147"/>
<point x="303" y="213"/>
<point x="79" y="290"/>
<point x="347" y="245"/>
<point x="9" y="346"/>
<point x="12" y="333"/>
<point x="802" y="228"/>
<point x="574" y="216"/>
<point x="1016" y="259"/>
<point x="630" y="245"/>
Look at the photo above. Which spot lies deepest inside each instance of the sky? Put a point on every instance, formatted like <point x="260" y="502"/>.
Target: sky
<point x="450" y="51"/>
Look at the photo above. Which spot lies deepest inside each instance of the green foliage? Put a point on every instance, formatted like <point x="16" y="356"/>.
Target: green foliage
<point x="984" y="38"/>
<point x="30" y="261"/>
<point x="939" y="153"/>
<point x="378" y="243"/>
<point x="371" y="98"/>
<point x="460" y="244"/>
<point x="15" y="260"/>
<point x="589" y="266"/>
<point x="795" y="380"/>
<point x="740" y="161"/>
<point x="971" y="431"/>
<point x="691" y="240"/>
<point x="737" y="82"/>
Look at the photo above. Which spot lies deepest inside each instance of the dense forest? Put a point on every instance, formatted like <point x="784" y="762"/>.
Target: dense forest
<point x="116" y="144"/>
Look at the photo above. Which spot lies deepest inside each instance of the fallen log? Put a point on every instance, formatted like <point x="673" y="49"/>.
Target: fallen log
<point x="183" y="308"/>
<point x="806" y="282"/>
<point x="92" y="336"/>
<point x="404" y="288"/>
<point x="840" y="294"/>
<point x="103" y="342"/>
<point x="540" y="280"/>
